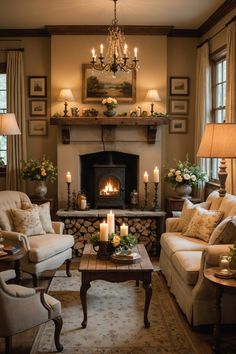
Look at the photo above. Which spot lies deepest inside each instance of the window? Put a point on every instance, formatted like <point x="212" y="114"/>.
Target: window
<point x="3" y="109"/>
<point x="218" y="99"/>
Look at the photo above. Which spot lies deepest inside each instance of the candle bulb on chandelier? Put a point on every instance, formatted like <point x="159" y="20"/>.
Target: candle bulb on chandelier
<point x="101" y="50"/>
<point x="125" y="50"/>
<point x="93" y="53"/>
<point x="135" y="53"/>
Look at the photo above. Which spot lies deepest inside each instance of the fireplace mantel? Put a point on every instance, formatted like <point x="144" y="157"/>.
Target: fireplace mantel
<point x="110" y="123"/>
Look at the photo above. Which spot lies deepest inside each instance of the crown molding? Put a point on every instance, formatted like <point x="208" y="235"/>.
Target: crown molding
<point x="34" y="32"/>
<point x="184" y="33"/>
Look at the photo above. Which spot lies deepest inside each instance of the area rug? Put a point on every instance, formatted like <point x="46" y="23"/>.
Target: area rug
<point x="115" y="320"/>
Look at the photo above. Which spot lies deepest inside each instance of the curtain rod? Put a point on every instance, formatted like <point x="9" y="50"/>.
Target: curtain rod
<point x="11" y="49"/>
<point x="214" y="35"/>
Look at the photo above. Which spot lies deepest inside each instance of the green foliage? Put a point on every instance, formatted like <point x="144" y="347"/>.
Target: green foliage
<point x="114" y="239"/>
<point x="39" y="170"/>
<point x="232" y="253"/>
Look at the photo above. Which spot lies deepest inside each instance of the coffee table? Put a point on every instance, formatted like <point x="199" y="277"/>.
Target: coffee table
<point x="92" y="268"/>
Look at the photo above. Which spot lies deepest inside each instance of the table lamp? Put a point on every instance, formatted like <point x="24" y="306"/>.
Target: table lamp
<point x="8" y="124"/>
<point x="65" y="95"/>
<point x="153" y="96"/>
<point x="219" y="141"/>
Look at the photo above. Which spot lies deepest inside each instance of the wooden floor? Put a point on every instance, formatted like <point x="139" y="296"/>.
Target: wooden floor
<point x="202" y="337"/>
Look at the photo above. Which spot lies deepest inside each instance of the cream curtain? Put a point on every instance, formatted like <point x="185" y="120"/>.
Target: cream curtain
<point x="16" y="145"/>
<point x="202" y="102"/>
<point x="231" y="97"/>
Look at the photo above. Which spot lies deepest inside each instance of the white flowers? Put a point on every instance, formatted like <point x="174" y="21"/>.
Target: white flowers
<point x="109" y="101"/>
<point x="179" y="178"/>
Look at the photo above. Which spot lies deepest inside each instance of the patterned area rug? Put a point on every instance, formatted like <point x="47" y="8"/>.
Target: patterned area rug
<point x="115" y="320"/>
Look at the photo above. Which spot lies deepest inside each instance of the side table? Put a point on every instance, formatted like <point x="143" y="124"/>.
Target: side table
<point x="176" y="204"/>
<point x="15" y="259"/>
<point x="221" y="285"/>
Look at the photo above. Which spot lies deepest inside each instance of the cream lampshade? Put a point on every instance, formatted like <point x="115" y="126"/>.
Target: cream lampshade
<point x="8" y="124"/>
<point x="153" y="96"/>
<point x="219" y="141"/>
<point x="66" y="96"/>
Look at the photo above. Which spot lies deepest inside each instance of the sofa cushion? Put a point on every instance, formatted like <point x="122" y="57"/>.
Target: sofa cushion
<point x="52" y="244"/>
<point x="172" y="242"/>
<point x="27" y="221"/>
<point x="225" y="232"/>
<point x="203" y="223"/>
<point x="187" y="264"/>
<point x="187" y="213"/>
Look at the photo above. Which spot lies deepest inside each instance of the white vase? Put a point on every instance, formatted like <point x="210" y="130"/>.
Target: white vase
<point x="183" y="191"/>
<point x="40" y="189"/>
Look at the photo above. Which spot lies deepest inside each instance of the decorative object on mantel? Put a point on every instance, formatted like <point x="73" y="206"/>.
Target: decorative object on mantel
<point x="74" y="111"/>
<point x="117" y="55"/>
<point x="90" y="112"/>
<point x="65" y="95"/>
<point x="219" y="141"/>
<point x="134" y="199"/>
<point x="68" y="182"/>
<point x="153" y="96"/>
<point x="40" y="171"/>
<point x="184" y="176"/>
<point x="110" y="103"/>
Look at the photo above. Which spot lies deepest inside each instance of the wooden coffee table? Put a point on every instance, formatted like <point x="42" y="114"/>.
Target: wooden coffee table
<point x="92" y="268"/>
<point x="15" y="259"/>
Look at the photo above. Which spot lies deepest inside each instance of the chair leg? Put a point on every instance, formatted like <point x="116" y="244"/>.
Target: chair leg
<point x="58" y="326"/>
<point x="8" y="345"/>
<point x="68" y="263"/>
<point x="35" y="280"/>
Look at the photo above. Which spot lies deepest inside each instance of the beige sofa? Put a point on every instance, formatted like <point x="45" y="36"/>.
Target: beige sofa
<point x="183" y="260"/>
<point x="47" y="250"/>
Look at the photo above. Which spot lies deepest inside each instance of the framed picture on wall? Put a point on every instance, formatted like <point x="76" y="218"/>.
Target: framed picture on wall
<point x="37" y="86"/>
<point x="179" y="86"/>
<point x="38" y="127"/>
<point x="97" y="85"/>
<point x="178" y="126"/>
<point x="178" y="106"/>
<point x="38" y="107"/>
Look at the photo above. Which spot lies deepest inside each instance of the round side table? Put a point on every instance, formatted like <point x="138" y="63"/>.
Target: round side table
<point x="15" y="259"/>
<point x="221" y="285"/>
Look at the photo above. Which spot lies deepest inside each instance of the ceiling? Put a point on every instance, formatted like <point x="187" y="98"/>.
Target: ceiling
<point x="32" y="14"/>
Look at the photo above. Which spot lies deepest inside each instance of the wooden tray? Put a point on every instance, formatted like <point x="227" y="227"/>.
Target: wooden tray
<point x="125" y="260"/>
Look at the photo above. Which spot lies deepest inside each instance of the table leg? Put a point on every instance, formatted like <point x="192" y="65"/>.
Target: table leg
<point x="148" y="295"/>
<point x="83" y="291"/>
<point x="18" y="271"/>
<point x="216" y="328"/>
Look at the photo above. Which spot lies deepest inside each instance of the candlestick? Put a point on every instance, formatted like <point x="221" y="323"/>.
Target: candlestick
<point x="145" y="196"/>
<point x="68" y="196"/>
<point x="103" y="231"/>
<point x="145" y="177"/>
<point x="156" y="175"/>
<point x="111" y="222"/>
<point x="124" y="230"/>
<point x="68" y="177"/>
<point x="155" y="201"/>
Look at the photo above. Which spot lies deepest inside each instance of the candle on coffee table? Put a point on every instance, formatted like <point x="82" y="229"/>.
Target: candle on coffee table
<point x="104" y="231"/>
<point x="111" y="222"/>
<point x="124" y="230"/>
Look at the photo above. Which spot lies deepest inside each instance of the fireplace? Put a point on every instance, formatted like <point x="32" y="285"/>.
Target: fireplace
<point x="108" y="178"/>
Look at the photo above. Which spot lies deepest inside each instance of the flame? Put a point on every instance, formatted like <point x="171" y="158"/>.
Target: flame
<point x="109" y="189"/>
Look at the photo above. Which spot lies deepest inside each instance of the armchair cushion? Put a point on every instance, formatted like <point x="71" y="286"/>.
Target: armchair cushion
<point x="225" y="232"/>
<point x="27" y="221"/>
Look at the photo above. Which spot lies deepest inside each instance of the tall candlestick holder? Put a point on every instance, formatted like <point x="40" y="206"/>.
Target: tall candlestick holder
<point x="68" y="197"/>
<point x="156" y="206"/>
<point x="145" y="196"/>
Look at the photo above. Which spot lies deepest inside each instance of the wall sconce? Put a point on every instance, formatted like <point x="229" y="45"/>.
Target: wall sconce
<point x="66" y="96"/>
<point x="153" y="96"/>
<point x="219" y="141"/>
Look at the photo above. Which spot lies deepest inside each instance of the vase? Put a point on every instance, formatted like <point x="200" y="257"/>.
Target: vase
<point x="110" y="112"/>
<point x="183" y="191"/>
<point x="40" y="189"/>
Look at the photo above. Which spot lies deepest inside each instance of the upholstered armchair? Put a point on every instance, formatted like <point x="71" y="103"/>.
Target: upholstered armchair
<point x="23" y="308"/>
<point x="30" y="227"/>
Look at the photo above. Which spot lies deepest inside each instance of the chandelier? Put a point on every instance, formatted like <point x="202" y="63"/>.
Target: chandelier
<point x="117" y="54"/>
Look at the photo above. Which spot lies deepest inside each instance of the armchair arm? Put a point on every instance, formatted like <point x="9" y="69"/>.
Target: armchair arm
<point x="58" y="227"/>
<point x="16" y="238"/>
<point x="211" y="255"/>
<point x="172" y="224"/>
<point x="7" y="275"/>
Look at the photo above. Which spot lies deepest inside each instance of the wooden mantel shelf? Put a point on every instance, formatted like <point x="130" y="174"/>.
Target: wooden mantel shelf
<point x="149" y="122"/>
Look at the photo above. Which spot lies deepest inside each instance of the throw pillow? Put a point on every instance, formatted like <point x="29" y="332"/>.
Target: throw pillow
<point x="6" y="223"/>
<point x="45" y="217"/>
<point x="225" y="232"/>
<point x="187" y="213"/>
<point x="203" y="223"/>
<point x="27" y="221"/>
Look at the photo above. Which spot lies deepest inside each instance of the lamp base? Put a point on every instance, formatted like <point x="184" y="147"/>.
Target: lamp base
<point x="66" y="110"/>
<point x="222" y="177"/>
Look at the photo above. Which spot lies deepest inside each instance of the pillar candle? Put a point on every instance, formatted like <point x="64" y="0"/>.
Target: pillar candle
<point x="68" y="177"/>
<point x="111" y="222"/>
<point x="145" y="177"/>
<point x="103" y="231"/>
<point x="156" y="175"/>
<point x="124" y="230"/>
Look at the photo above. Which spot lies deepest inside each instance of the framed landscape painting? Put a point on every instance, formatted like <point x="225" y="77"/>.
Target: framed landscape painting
<point x="97" y="85"/>
<point x="178" y="126"/>
<point x="179" y="86"/>
<point x="38" y="127"/>
<point x="178" y="106"/>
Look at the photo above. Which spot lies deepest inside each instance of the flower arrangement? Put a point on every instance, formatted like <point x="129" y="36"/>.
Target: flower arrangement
<point x="116" y="242"/>
<point x="39" y="170"/>
<point x="185" y="173"/>
<point x="109" y="102"/>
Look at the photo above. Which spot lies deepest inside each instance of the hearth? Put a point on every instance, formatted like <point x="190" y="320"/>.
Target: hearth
<point x="108" y="178"/>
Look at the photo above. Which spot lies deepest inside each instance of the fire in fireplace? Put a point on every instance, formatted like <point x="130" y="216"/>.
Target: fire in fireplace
<point x="109" y="187"/>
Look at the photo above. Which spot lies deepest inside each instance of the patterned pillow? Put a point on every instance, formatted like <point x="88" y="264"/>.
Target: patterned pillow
<point x="6" y="223"/>
<point x="225" y="232"/>
<point x="203" y="223"/>
<point x="27" y="221"/>
<point x="187" y="213"/>
<point x="45" y="217"/>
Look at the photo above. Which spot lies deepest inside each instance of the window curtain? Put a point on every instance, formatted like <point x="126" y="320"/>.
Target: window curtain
<point x="231" y="97"/>
<point x="16" y="145"/>
<point x="202" y="104"/>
